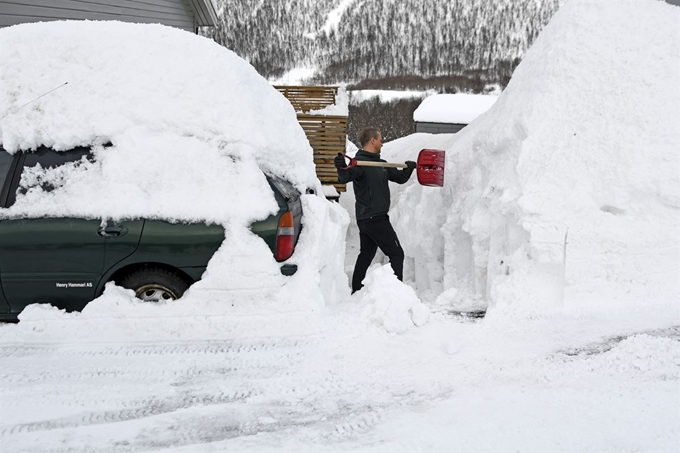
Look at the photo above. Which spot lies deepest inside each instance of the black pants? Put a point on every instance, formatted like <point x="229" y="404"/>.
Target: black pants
<point x="373" y="233"/>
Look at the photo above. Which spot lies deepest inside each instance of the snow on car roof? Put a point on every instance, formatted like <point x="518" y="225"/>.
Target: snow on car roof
<point x="188" y="119"/>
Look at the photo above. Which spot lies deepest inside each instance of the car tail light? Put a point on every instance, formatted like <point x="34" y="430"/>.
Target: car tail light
<point x="285" y="237"/>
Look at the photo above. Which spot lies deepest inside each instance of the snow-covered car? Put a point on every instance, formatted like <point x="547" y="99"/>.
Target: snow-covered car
<point x="141" y="154"/>
<point x="67" y="261"/>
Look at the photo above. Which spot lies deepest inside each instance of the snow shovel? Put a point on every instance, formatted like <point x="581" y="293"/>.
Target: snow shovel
<point x="429" y="168"/>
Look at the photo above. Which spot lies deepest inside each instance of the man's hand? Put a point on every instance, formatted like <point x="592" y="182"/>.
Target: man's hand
<point x="411" y="165"/>
<point x="340" y="162"/>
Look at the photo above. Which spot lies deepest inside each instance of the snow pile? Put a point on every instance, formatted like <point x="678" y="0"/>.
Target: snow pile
<point x="567" y="190"/>
<point x="192" y="129"/>
<point x="390" y="303"/>
<point x="456" y="108"/>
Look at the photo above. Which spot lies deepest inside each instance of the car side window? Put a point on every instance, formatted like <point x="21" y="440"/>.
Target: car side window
<point x="5" y="163"/>
<point x="47" y="158"/>
<point x="6" y="167"/>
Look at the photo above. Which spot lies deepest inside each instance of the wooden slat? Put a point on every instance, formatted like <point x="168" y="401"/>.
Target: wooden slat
<point x="306" y="98"/>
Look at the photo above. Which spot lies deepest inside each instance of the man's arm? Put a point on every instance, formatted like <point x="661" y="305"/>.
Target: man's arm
<point x="401" y="176"/>
<point x="346" y="175"/>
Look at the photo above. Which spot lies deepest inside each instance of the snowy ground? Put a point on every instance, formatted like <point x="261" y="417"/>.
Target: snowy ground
<point x="573" y="381"/>
<point x="579" y="349"/>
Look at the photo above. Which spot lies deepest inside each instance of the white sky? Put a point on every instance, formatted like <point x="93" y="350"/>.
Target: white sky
<point x="559" y="216"/>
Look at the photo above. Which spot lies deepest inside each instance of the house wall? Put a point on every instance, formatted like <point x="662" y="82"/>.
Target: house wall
<point x="175" y="13"/>
<point x="438" y="128"/>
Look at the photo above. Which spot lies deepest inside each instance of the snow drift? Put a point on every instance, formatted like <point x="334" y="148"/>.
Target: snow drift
<point x="567" y="190"/>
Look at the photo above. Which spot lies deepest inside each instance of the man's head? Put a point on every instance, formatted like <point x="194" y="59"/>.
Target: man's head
<point x="370" y="139"/>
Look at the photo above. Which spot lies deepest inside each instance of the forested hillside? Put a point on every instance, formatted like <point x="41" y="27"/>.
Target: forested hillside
<point x="358" y="40"/>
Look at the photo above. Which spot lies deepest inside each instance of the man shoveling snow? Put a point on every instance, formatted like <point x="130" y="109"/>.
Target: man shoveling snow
<point x="372" y="204"/>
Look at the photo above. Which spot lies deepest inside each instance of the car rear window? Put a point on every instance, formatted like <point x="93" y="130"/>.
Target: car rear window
<point x="288" y="191"/>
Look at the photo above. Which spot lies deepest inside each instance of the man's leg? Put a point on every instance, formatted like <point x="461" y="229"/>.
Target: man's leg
<point x="387" y="240"/>
<point x="380" y="231"/>
<point x="367" y="249"/>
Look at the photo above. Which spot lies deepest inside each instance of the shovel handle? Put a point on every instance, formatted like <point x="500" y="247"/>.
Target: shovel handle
<point x="362" y="163"/>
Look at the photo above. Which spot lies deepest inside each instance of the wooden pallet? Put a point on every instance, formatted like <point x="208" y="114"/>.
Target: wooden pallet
<point x="307" y="98"/>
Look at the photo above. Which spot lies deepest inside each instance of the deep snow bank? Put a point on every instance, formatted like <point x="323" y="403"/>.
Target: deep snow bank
<point x="569" y="184"/>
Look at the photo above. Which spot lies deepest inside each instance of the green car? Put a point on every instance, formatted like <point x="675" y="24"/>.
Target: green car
<point x="67" y="261"/>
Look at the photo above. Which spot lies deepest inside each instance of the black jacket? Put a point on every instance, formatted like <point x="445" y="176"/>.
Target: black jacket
<point x="371" y="190"/>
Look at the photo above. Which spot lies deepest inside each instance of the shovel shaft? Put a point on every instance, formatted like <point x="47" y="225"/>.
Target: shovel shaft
<point x="363" y="163"/>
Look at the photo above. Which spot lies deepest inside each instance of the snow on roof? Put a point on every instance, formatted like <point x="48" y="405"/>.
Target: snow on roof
<point x="456" y="108"/>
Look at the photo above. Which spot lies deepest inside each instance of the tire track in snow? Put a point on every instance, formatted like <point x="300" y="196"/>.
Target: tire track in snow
<point x="610" y="342"/>
<point x="242" y="357"/>
<point x="151" y="408"/>
<point x="22" y="350"/>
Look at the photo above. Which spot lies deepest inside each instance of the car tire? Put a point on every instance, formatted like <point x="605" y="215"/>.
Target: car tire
<point x="153" y="284"/>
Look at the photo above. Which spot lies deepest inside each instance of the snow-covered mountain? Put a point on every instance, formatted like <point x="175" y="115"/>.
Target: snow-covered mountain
<point x="352" y="40"/>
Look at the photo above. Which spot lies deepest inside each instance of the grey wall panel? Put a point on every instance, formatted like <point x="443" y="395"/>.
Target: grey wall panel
<point x="175" y="13"/>
<point x="438" y="128"/>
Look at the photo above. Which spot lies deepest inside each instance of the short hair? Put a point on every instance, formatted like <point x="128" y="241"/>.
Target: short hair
<point x="366" y="134"/>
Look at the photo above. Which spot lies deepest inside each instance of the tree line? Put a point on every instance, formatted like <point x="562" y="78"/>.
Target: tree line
<point x="383" y="39"/>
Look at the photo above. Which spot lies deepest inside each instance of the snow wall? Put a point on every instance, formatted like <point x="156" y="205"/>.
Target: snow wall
<point x="567" y="190"/>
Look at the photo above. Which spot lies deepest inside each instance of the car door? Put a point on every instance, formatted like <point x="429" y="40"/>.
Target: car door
<point x="54" y="260"/>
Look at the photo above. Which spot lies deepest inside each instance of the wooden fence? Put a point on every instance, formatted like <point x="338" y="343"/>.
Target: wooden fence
<point x="327" y="134"/>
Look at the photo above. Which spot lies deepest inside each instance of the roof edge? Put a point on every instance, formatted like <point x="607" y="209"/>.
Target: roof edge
<point x="206" y="15"/>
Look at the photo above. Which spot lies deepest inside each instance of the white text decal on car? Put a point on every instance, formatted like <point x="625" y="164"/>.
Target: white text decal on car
<point x="74" y="285"/>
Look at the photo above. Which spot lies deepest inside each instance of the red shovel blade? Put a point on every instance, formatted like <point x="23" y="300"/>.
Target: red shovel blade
<point x="430" y="168"/>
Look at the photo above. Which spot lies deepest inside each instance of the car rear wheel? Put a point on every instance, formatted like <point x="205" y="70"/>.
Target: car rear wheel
<point x="154" y="284"/>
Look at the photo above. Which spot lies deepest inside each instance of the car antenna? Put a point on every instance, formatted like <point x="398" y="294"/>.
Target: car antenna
<point x="29" y="102"/>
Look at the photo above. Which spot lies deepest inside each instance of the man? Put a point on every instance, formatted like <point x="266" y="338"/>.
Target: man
<point x="372" y="195"/>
